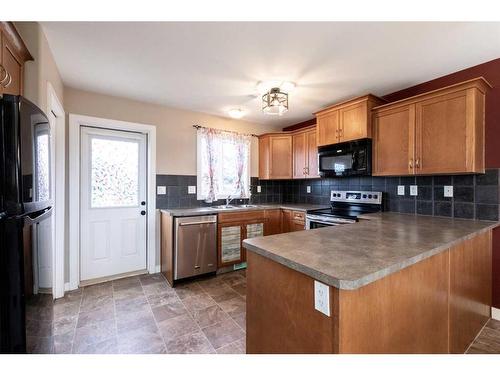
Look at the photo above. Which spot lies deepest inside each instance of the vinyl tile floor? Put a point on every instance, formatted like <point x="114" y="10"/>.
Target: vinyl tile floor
<point x="143" y="314"/>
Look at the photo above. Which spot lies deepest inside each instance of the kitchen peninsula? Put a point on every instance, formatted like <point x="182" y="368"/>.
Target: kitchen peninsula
<point x="397" y="284"/>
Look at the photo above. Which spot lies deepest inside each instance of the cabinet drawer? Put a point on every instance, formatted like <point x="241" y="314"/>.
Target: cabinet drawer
<point x="226" y="217"/>
<point x="299" y="216"/>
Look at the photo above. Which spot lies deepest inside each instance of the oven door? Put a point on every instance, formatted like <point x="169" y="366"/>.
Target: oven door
<point x="316" y="221"/>
<point x="345" y="159"/>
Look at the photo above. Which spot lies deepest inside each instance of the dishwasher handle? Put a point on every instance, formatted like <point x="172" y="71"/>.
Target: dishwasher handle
<point x="197" y="223"/>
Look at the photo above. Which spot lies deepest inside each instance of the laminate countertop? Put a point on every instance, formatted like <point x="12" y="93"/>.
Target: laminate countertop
<point x="353" y="255"/>
<point x="198" y="211"/>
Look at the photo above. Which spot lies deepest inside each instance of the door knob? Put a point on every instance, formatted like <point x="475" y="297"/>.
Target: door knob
<point x="143" y="212"/>
<point x="143" y="203"/>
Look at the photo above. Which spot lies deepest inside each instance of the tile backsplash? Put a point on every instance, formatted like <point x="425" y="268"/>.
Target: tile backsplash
<point x="474" y="196"/>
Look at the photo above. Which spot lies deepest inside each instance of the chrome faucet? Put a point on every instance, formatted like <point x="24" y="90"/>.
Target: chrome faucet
<point x="228" y="200"/>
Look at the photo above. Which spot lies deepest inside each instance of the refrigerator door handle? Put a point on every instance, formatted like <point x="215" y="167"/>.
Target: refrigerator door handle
<point x="41" y="216"/>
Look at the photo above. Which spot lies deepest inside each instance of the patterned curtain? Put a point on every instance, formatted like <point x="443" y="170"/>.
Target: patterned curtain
<point x="225" y="164"/>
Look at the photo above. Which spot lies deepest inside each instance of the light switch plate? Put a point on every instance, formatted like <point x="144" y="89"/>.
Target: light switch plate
<point x="259" y="189"/>
<point x="322" y="298"/>
<point x="308" y="189"/>
<point x="191" y="189"/>
<point x="448" y="191"/>
<point x="161" y="190"/>
<point x="413" y="190"/>
<point x="401" y="190"/>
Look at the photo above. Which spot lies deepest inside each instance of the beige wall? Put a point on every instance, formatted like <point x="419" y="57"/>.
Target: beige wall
<point x="42" y="69"/>
<point x="175" y="136"/>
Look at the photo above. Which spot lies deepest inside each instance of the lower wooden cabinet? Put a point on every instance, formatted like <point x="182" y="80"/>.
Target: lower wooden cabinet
<point x="273" y="222"/>
<point x="293" y="221"/>
<point x="232" y="229"/>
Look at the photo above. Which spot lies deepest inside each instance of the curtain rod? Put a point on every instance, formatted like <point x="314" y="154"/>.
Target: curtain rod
<point x="229" y="131"/>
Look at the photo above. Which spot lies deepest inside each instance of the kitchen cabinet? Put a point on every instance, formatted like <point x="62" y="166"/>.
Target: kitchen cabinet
<point x="13" y="55"/>
<point x="393" y="146"/>
<point x="232" y="229"/>
<point x="346" y="121"/>
<point x="305" y="154"/>
<point x="273" y="222"/>
<point x="440" y="132"/>
<point x="275" y="156"/>
<point x="293" y="221"/>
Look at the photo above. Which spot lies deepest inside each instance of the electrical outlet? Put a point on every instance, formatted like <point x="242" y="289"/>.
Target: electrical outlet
<point x="308" y="189"/>
<point x="191" y="189"/>
<point x="448" y="191"/>
<point x="413" y="190"/>
<point x="401" y="190"/>
<point x="322" y="298"/>
<point x="161" y="190"/>
<point x="259" y="189"/>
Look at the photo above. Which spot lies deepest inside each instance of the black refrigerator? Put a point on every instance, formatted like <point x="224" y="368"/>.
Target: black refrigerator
<point x="25" y="199"/>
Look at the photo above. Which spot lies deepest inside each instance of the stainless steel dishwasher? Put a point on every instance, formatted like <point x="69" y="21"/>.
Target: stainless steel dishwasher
<point x="195" y="246"/>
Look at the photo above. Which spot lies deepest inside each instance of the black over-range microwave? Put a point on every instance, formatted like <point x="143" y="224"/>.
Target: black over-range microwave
<point x="352" y="158"/>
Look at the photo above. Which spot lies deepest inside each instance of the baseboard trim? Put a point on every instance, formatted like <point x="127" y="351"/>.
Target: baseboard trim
<point x="495" y="313"/>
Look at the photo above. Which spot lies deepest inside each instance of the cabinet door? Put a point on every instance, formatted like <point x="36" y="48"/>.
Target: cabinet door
<point x="286" y="221"/>
<point x="280" y="157"/>
<point x="312" y="154"/>
<point x="299" y="155"/>
<point x="442" y="134"/>
<point x="354" y="122"/>
<point x="264" y="157"/>
<point x="273" y="222"/>
<point x="230" y="249"/>
<point x="14" y="66"/>
<point x="327" y="127"/>
<point x="393" y="141"/>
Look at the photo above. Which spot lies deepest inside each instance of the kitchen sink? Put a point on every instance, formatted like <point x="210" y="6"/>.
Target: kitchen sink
<point x="247" y="205"/>
<point x="224" y="207"/>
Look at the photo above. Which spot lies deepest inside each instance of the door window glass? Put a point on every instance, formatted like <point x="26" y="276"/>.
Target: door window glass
<point x="114" y="173"/>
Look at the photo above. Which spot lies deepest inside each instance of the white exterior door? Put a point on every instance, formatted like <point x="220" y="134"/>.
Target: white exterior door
<point x="112" y="202"/>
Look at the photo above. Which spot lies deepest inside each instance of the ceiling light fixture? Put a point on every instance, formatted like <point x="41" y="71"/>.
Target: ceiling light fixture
<point x="236" y="113"/>
<point x="275" y="102"/>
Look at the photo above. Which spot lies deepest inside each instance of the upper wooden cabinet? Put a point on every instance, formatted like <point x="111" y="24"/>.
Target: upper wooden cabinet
<point x="440" y="132"/>
<point x="305" y="154"/>
<point x="275" y="156"/>
<point x="288" y="155"/>
<point x="346" y="121"/>
<point x="12" y="58"/>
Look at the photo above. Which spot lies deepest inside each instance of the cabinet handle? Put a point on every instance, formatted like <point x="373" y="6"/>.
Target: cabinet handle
<point x="6" y="75"/>
<point x="410" y="164"/>
<point x="417" y="163"/>
<point x="10" y="80"/>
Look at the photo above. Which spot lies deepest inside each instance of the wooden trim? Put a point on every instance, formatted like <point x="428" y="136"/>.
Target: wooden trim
<point x="349" y="102"/>
<point x="480" y="83"/>
<point x="167" y="247"/>
<point x="300" y="125"/>
<point x="9" y="31"/>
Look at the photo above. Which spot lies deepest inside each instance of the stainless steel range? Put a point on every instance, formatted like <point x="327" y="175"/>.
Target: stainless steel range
<point x="346" y="207"/>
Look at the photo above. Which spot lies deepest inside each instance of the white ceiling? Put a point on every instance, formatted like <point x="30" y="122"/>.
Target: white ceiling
<point x="212" y="67"/>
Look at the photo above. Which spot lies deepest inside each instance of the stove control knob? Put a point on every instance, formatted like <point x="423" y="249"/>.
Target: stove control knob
<point x="370" y="196"/>
<point x="364" y="195"/>
<point x="375" y="196"/>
